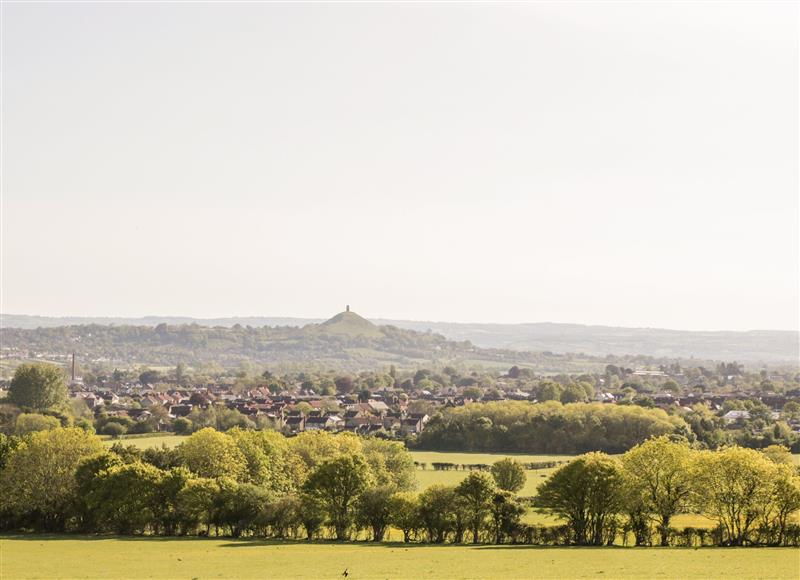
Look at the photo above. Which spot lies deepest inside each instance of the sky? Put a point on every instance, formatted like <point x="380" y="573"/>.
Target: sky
<point x="629" y="164"/>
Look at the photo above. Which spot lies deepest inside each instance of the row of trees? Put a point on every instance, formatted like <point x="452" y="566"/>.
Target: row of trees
<point x="66" y="479"/>
<point x="319" y="485"/>
<point x="751" y="495"/>
<point x="522" y="427"/>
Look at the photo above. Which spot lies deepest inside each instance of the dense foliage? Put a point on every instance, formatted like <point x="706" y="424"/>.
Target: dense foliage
<point x="522" y="427"/>
<point x="313" y="345"/>
<point x="166" y="344"/>
<point x="749" y="494"/>
<point x="318" y="485"/>
<point x="38" y="387"/>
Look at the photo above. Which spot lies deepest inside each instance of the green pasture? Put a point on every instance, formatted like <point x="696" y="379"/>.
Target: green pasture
<point x="429" y="477"/>
<point x="146" y="441"/>
<point x="23" y="557"/>
<point x="477" y="458"/>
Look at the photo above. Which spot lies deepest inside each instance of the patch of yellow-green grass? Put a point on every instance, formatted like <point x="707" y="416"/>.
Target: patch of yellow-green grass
<point x="89" y="557"/>
<point x="680" y="521"/>
<point x="148" y="441"/>
<point x="428" y="477"/>
<point x="485" y="458"/>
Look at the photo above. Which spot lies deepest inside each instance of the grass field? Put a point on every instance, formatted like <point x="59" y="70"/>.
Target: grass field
<point x="487" y="458"/>
<point x="146" y="441"/>
<point x="429" y="477"/>
<point x="89" y="557"/>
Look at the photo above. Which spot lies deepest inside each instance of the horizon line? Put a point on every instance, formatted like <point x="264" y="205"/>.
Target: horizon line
<point x="309" y="320"/>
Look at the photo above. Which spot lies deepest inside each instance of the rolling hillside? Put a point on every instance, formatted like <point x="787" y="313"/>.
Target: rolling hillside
<point x="347" y="341"/>
<point x="758" y="346"/>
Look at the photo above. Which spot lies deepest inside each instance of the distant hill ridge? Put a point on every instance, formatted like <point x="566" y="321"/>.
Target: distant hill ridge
<point x="767" y="346"/>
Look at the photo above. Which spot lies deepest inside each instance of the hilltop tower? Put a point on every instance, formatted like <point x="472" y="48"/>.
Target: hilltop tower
<point x="347" y="308"/>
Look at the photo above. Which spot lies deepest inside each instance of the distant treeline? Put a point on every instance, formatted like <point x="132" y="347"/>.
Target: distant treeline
<point x="197" y="345"/>
<point x="166" y="345"/>
<point x="522" y="427"/>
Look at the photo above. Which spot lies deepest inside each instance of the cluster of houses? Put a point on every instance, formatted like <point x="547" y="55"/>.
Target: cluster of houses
<point x="290" y="413"/>
<point x="389" y="411"/>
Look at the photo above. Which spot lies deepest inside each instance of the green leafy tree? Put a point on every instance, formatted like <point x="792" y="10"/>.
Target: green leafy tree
<point x="586" y="493"/>
<point x="573" y="393"/>
<point x="733" y="487"/>
<point x="506" y="515"/>
<point x="311" y="513"/>
<point x="473" y="393"/>
<point x="784" y="499"/>
<point x="661" y="471"/>
<point x="114" y="430"/>
<point x="85" y="477"/>
<point x="344" y="384"/>
<point x="182" y="426"/>
<point x="150" y="377"/>
<point x="314" y="447"/>
<point x="477" y="490"/>
<point x="31" y="422"/>
<point x="209" y="453"/>
<point x="167" y="517"/>
<point x="7" y="445"/>
<point x="239" y="506"/>
<point x="38" y="481"/>
<point x="778" y="454"/>
<point x="196" y="504"/>
<point x="390" y="463"/>
<point x="436" y="511"/>
<point x="792" y="410"/>
<point x="180" y="373"/>
<point x="374" y="510"/>
<point x="269" y="462"/>
<point x="38" y="386"/>
<point x="549" y="391"/>
<point x="124" y="497"/>
<point x="338" y="483"/>
<point x="508" y="475"/>
<point x="404" y="514"/>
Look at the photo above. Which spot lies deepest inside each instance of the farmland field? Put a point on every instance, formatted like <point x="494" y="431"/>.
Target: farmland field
<point x="148" y="440"/>
<point x="429" y="476"/>
<point x="487" y="458"/>
<point x="92" y="557"/>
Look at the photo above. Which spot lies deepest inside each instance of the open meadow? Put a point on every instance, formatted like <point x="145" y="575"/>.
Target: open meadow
<point x="147" y="441"/>
<point x="24" y="557"/>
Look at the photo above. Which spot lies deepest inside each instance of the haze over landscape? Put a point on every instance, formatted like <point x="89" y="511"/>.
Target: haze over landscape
<point x="574" y="162"/>
<point x="766" y="346"/>
<point x="384" y="289"/>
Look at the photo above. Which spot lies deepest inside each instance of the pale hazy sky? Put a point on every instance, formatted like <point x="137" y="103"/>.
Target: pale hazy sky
<point x="631" y="164"/>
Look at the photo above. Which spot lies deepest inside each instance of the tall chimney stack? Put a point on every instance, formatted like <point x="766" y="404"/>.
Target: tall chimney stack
<point x="73" y="367"/>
